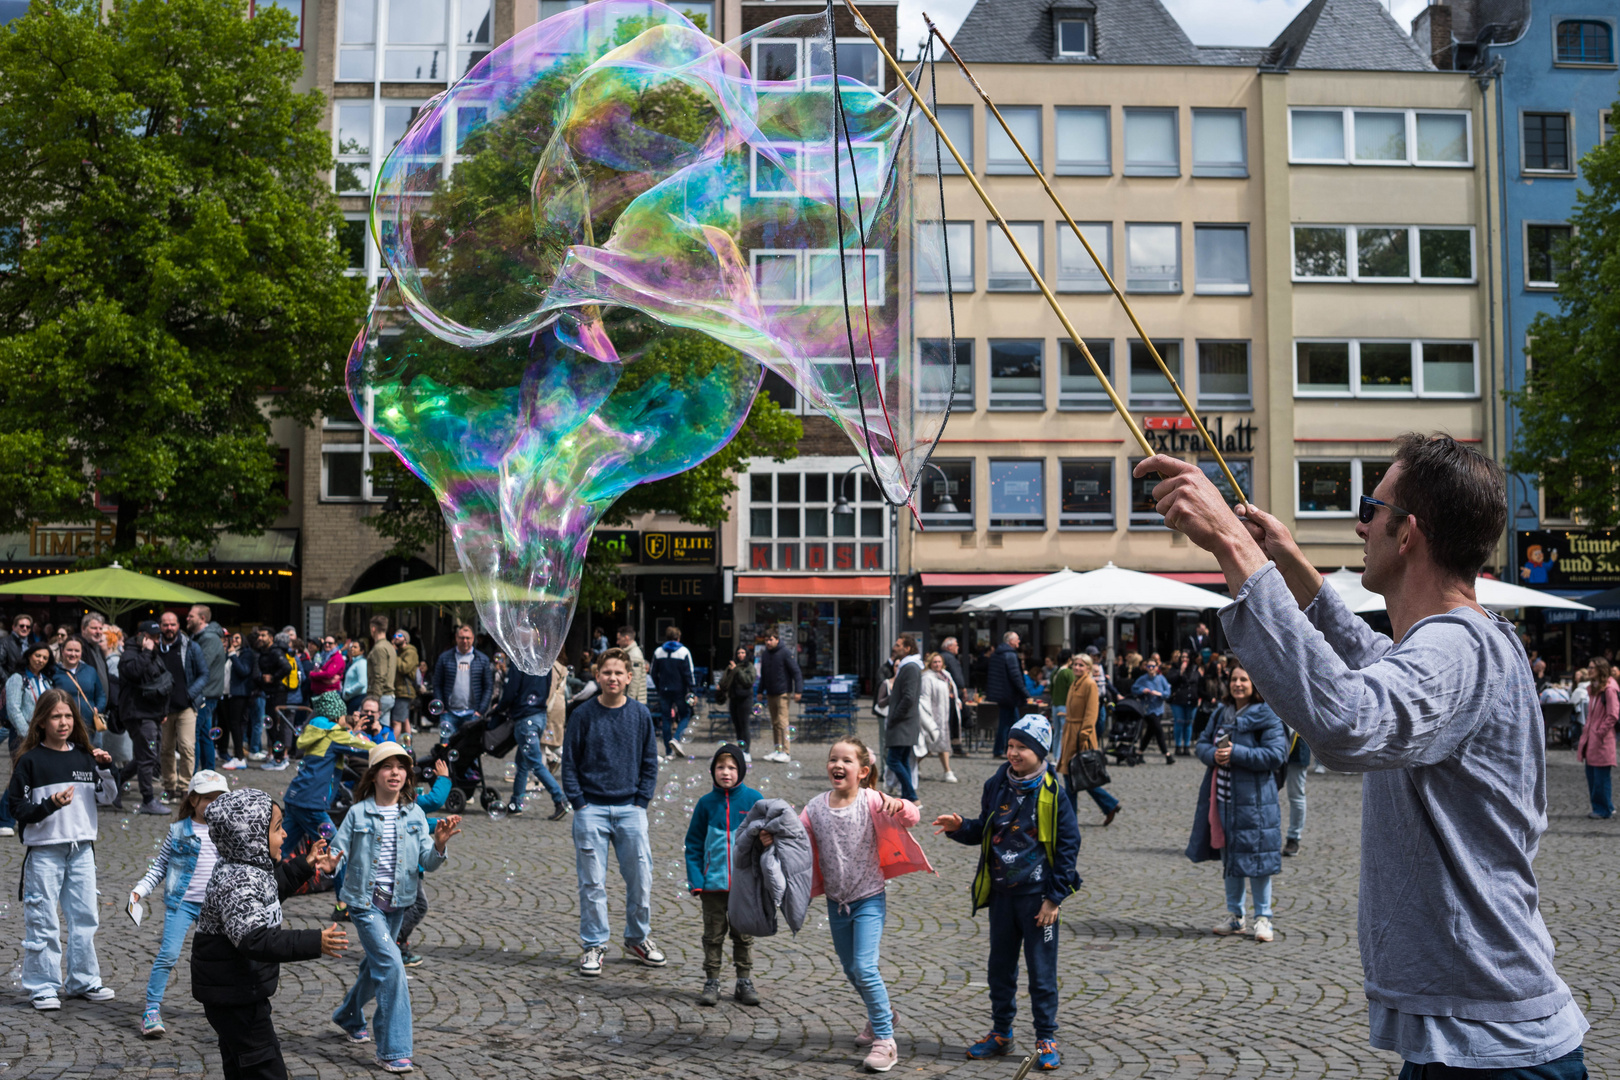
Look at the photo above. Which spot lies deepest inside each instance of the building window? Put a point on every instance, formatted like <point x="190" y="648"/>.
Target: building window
<point x="1219" y="144"/>
<point x="1086" y="500"/>
<point x="1326" y="488"/>
<point x="862" y="277"/>
<point x="1242" y="472"/>
<point x="1375" y="369"/>
<point x="1082" y="142"/>
<point x="416" y="42"/>
<point x="792" y="526"/>
<point x="353" y="238"/>
<point x="1445" y="255"/>
<point x="776" y="276"/>
<point x="1016" y="376"/>
<point x="942" y="241"/>
<point x="473" y="32"/>
<point x="1149" y="388"/>
<point x="1425" y="137"/>
<point x="774" y="174"/>
<point x="1605" y="126"/>
<point x="1544" y="258"/>
<point x="1018" y="494"/>
<point x="1073" y="38"/>
<point x="1223" y="375"/>
<point x="1220" y="258"/>
<point x="353" y="149"/>
<point x="1152" y="146"/>
<point x="1078" y="385"/>
<point x="957" y="120"/>
<point x="935" y="377"/>
<point x="953" y="492"/>
<point x="1384" y="253"/>
<point x="1153" y="258"/>
<point x="1321" y="253"/>
<point x="1144" y="509"/>
<point x="1076" y="272"/>
<point x="357" y="37"/>
<point x="1001" y="156"/>
<point x="295" y="8"/>
<point x="1584" y="41"/>
<point x="792" y="60"/>
<point x="1006" y="269"/>
<point x="1546" y="142"/>
<point x="346" y="467"/>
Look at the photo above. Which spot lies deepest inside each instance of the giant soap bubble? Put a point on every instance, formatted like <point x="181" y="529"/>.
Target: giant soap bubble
<point x="635" y="224"/>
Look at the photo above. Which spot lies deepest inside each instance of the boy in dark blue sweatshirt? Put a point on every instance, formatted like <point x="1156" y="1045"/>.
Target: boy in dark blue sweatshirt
<point x="609" y="775"/>
<point x="709" y="855"/>
<point x="1029" y="842"/>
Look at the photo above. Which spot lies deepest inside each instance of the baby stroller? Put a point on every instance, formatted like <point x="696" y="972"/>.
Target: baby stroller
<point x="1125" y="729"/>
<point x="489" y="735"/>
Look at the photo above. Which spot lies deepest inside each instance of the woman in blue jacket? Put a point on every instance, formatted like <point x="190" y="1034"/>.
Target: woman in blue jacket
<point x="1237" y="819"/>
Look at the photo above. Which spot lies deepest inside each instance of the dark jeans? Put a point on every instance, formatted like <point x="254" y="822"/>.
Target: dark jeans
<point x="248" y="1047"/>
<point x="1600" y="786"/>
<point x="1012" y="927"/>
<point x="1099" y="795"/>
<point x="144" y="734"/>
<point x="1572" y="1066"/>
<point x="234" y="729"/>
<point x="742" y="711"/>
<point x="413" y="917"/>
<point x="1153" y="728"/>
<point x="900" y="762"/>
<point x="716" y="926"/>
<point x="1007" y="716"/>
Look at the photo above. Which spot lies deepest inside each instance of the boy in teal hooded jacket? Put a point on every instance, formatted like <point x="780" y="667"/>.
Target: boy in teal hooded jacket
<point x="709" y="855"/>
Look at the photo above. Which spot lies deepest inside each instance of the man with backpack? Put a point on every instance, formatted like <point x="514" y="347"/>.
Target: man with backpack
<point x="144" y="688"/>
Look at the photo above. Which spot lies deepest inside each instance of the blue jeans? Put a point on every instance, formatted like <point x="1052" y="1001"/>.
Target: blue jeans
<point x="451" y="723"/>
<point x="255" y="723"/>
<point x="1600" y="785"/>
<point x="1060" y="716"/>
<point x="1100" y="795"/>
<point x="857" y="931"/>
<point x="531" y="758"/>
<point x="1183" y="724"/>
<point x="625" y="828"/>
<point x="1012" y="928"/>
<point x="676" y="714"/>
<point x="900" y="762"/>
<point x="175" y="925"/>
<point x="1572" y="1066"/>
<point x="1296" y="798"/>
<point x="1006" y="717"/>
<point x="205" y="724"/>
<point x="1259" y="886"/>
<point x="381" y="976"/>
<point x="300" y="822"/>
<point x="59" y="874"/>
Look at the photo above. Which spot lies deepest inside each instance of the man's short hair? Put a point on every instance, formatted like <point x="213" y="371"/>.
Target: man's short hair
<point x="614" y="654"/>
<point x="371" y="697"/>
<point x="90" y="617"/>
<point x="1458" y="496"/>
<point x="908" y="643"/>
<point x="204" y="612"/>
<point x="467" y="628"/>
<point x="21" y="616"/>
<point x="379" y="622"/>
<point x="947" y="643"/>
<point x="627" y="632"/>
<point x="672" y="634"/>
<point x="1007" y="638"/>
<point x="404" y="633"/>
<point x="772" y="635"/>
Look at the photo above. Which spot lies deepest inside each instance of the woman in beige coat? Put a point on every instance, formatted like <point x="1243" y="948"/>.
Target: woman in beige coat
<point x="1080" y="733"/>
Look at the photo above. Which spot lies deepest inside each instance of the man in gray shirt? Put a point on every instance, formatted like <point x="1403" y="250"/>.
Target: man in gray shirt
<point x="1444" y="723"/>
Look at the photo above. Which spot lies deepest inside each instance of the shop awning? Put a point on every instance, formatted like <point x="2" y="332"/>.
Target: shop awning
<point x="864" y="587"/>
<point x="1193" y="577"/>
<point x="975" y="581"/>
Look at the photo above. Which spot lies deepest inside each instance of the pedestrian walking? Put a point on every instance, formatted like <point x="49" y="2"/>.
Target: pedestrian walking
<point x="904" y="722"/>
<point x="210" y="639"/>
<point x="1080" y="735"/>
<point x="404" y="681"/>
<point x="1299" y="765"/>
<point x="674" y="679"/>
<point x="183" y="659"/>
<point x="737" y="689"/>
<point x="525" y="701"/>
<point x="1596" y="748"/>
<point x="1005" y="678"/>
<point x="145" y="686"/>
<point x="937" y="706"/>
<point x="779" y="676"/>
<point x="1154" y="690"/>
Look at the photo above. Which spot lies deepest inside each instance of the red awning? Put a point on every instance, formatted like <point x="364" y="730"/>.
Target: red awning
<point x="975" y="581"/>
<point x="852" y="587"/>
<point x="1193" y="577"/>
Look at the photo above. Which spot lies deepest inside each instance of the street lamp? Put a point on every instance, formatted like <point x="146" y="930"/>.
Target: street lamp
<point x="840" y="504"/>
<point x="947" y="505"/>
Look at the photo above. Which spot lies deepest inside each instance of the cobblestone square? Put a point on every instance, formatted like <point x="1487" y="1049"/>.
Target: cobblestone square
<point x="1147" y="991"/>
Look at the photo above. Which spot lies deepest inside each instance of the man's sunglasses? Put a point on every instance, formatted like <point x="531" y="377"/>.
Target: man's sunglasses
<point x="1370" y="505"/>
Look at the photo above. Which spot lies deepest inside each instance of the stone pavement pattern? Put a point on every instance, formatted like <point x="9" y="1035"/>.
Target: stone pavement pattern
<point x="1146" y="990"/>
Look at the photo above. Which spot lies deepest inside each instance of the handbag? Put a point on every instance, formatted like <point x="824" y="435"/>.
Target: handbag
<point x="96" y="722"/>
<point x="1089" y="769"/>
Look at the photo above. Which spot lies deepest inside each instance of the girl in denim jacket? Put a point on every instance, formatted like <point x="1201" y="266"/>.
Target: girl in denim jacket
<point x="387" y="845"/>
<point x="184" y="864"/>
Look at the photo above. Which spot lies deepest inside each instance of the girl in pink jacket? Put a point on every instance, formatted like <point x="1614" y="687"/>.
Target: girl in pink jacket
<point x="859" y="841"/>
<point x="1596" y="747"/>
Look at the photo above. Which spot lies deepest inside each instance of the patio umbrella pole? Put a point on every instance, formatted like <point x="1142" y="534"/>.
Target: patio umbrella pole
<point x="1120" y="296"/>
<point x="1051" y="299"/>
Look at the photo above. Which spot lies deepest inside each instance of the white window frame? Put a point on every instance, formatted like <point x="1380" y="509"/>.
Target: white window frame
<point x="798" y="273"/>
<point x="796" y="173"/>
<point x="801" y="57"/>
<point x="1355" y="255"/>
<point x="837" y="467"/>
<point x="1411" y="161"/>
<point x="1417" y="255"/>
<point x="1414" y="239"/>
<point x="368" y="263"/>
<point x="1524" y="247"/>
<point x="1416" y="351"/>
<point x="1057" y="34"/>
<point x="369" y="159"/>
<point x="874" y="282"/>
<point x="1355" y="488"/>
<point x="368" y="447"/>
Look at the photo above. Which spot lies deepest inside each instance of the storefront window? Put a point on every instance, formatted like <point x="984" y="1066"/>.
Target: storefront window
<point x="1017" y="494"/>
<point x="792" y="516"/>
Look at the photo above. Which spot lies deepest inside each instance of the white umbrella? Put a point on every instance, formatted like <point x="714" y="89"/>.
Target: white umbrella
<point x="1109" y="591"/>
<point x="1490" y="592"/>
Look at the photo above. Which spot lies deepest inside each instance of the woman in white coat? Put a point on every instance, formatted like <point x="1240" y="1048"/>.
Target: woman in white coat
<point x="934" y="705"/>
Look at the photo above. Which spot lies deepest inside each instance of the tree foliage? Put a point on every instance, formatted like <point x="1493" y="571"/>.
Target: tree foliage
<point x="1569" y="410"/>
<point x="170" y="279"/>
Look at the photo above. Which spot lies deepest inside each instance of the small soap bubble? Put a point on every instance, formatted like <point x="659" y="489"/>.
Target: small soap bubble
<point x="497" y="811"/>
<point x="123" y="823"/>
<point x="454" y="755"/>
<point x="435" y="707"/>
<point x="215" y="733"/>
<point x="327" y="831"/>
<point x="279" y="749"/>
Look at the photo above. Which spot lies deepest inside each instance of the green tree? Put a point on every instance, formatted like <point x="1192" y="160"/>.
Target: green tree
<point x="1569" y="411"/>
<point x="170" y="278"/>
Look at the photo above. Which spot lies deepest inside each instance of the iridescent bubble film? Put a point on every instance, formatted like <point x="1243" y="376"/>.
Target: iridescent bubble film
<point x="600" y="239"/>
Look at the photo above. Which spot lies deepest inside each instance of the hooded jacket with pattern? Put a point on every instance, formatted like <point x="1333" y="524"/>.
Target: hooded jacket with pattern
<point x="240" y="945"/>
<point x="710" y="838"/>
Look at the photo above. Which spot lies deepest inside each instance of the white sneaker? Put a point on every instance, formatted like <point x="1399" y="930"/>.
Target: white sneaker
<point x="1262" y="928"/>
<point x="97" y="993"/>
<point x="748" y="758"/>
<point x="47" y="1002"/>
<point x="7" y="830"/>
<point x="950" y="778"/>
<point x="590" y="961"/>
<point x="1321" y="770"/>
<point x="676" y="749"/>
<point x="778" y="756"/>
<point x="1232" y="924"/>
<point x="258" y="755"/>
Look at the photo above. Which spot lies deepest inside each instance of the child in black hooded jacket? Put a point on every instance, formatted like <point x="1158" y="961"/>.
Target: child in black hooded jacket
<point x="240" y="943"/>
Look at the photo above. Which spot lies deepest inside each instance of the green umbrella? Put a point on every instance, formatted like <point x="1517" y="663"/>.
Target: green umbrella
<point x="444" y="589"/>
<point x="112" y="590"/>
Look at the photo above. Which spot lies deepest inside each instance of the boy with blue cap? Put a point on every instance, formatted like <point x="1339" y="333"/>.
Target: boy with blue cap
<point x="1029" y="842"/>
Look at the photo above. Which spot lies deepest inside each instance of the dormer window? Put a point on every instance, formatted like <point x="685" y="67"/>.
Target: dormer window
<point x="1074" y="37"/>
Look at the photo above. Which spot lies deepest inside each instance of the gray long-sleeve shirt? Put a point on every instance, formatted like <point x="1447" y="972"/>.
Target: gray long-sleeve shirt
<point x="1446" y="727"/>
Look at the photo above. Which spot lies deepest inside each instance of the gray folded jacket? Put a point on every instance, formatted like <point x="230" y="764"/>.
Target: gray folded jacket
<point x="764" y="879"/>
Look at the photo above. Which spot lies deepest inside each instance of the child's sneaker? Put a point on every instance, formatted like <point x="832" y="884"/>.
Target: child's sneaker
<point x="645" y="952"/>
<point x="340" y="912"/>
<point x="1232" y="924"/>
<point x="48" y="1002"/>
<point x="151" y="1024"/>
<point x="992" y="1045"/>
<point x="866" y="1037"/>
<point x="358" y="1037"/>
<point x="410" y="959"/>
<point x="590" y="961"/>
<point x="884" y="1056"/>
<point x="1046" y="1054"/>
<point x="744" y="993"/>
<point x="97" y="993"/>
<point x="397" y="1065"/>
<point x="1262" y="928"/>
<point x="711" y="992"/>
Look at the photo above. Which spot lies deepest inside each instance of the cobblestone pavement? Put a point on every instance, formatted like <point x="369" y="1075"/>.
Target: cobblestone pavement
<point x="1146" y="990"/>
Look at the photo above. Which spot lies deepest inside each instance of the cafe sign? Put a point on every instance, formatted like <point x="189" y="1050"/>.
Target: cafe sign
<point x="1568" y="559"/>
<point x="1179" y="435"/>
